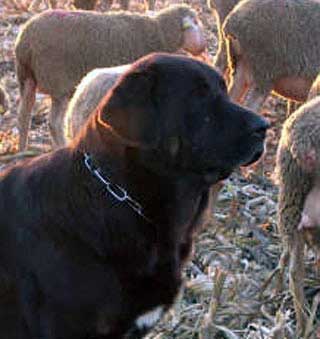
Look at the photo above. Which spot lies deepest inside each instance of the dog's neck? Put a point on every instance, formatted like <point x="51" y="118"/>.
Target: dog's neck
<point x="122" y="162"/>
<point x="174" y="205"/>
<point x="102" y="146"/>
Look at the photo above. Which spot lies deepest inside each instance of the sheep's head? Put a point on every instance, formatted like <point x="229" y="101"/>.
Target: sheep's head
<point x="193" y="36"/>
<point x="182" y="29"/>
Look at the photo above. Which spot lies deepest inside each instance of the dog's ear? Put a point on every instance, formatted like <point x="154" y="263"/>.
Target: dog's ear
<point x="130" y="109"/>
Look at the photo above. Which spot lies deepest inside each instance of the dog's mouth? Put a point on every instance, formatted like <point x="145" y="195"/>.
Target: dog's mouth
<point x="213" y="174"/>
<point x="255" y="157"/>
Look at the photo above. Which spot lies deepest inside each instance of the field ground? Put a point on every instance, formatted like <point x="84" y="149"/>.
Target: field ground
<point x="237" y="251"/>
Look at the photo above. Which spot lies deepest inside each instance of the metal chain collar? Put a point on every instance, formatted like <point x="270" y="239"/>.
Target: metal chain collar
<point x="115" y="190"/>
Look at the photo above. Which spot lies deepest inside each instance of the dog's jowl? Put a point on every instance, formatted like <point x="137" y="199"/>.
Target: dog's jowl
<point x="94" y="236"/>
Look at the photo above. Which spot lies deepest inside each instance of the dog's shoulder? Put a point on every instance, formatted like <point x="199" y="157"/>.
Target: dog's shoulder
<point x="22" y="182"/>
<point x="36" y="167"/>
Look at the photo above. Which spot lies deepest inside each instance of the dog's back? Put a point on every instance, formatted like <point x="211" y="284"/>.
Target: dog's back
<point x="29" y="195"/>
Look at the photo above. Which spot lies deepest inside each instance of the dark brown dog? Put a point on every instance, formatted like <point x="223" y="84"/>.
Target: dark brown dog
<point x="84" y="260"/>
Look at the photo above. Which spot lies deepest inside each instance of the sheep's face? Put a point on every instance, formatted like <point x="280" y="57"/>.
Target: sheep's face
<point x="194" y="40"/>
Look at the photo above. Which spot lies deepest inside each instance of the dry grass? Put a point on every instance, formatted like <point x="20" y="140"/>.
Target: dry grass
<point x="16" y="6"/>
<point x="25" y="6"/>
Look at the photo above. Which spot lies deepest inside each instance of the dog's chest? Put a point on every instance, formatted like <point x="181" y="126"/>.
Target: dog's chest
<point x="158" y="291"/>
<point x="145" y="304"/>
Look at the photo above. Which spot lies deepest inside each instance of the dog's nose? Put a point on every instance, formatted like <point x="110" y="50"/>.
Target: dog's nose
<point x="259" y="126"/>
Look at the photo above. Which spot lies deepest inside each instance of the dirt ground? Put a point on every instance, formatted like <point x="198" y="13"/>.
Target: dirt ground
<point x="240" y="247"/>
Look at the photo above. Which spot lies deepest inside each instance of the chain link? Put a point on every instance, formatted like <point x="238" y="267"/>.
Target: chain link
<point x="115" y="190"/>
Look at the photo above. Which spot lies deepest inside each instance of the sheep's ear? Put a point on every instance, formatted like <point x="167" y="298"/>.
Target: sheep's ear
<point x="130" y="109"/>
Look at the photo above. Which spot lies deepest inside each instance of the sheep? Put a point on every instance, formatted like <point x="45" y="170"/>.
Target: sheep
<point x="220" y="9"/>
<point x="91" y="89"/>
<point x="297" y="168"/>
<point x="56" y="48"/>
<point x="272" y="45"/>
<point x="4" y="101"/>
<point x="88" y="95"/>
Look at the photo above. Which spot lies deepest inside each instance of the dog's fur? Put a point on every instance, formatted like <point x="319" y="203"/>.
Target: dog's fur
<point x="84" y="265"/>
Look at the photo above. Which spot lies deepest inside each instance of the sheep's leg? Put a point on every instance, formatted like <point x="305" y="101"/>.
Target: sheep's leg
<point x="283" y="262"/>
<point x="56" y="121"/>
<point x="255" y="98"/>
<point x="296" y="281"/>
<point x="238" y="84"/>
<point x="28" y="94"/>
<point x="277" y="273"/>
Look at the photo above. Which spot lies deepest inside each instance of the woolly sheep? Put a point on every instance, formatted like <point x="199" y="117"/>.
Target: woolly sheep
<point x="88" y="95"/>
<point x="273" y="45"/>
<point x="220" y="9"/>
<point x="56" y="48"/>
<point x="297" y="169"/>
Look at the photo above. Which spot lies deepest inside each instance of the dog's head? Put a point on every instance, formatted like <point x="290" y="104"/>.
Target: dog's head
<point x="176" y="111"/>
